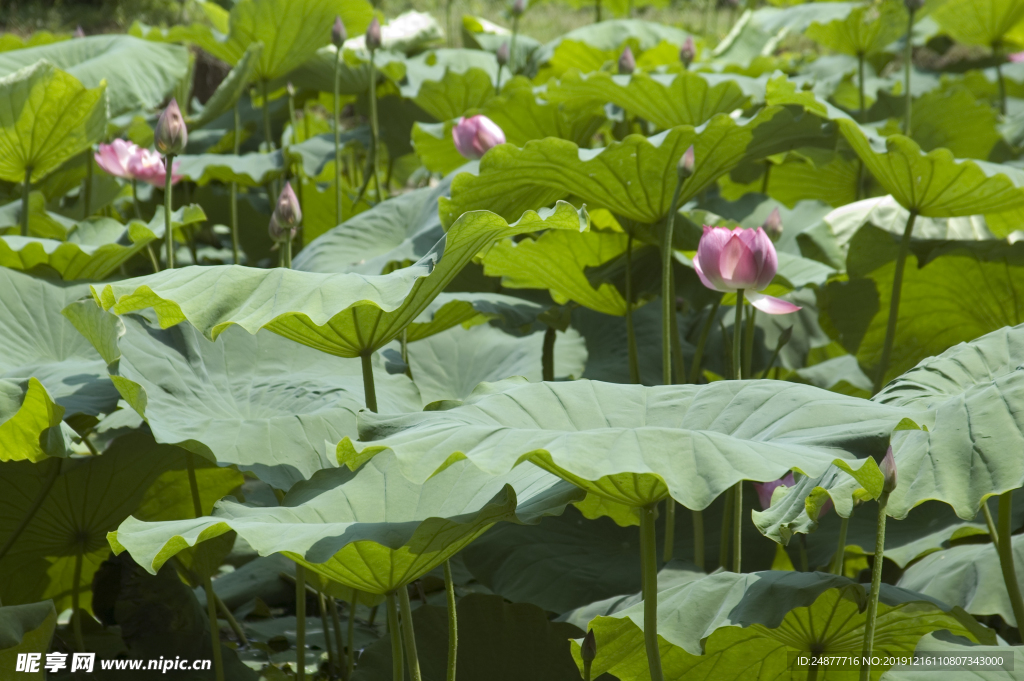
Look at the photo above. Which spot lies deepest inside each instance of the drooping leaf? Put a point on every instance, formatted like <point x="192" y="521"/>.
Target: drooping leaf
<point x="49" y="117"/>
<point x="984" y="23"/>
<point x="866" y="30"/>
<point x="30" y="423"/>
<point x="26" y="629"/>
<point x="372" y="530"/>
<point x="342" y="314"/>
<point x="447" y="83"/>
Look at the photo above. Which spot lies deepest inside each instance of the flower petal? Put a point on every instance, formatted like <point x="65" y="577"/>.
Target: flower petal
<point x="737" y="263"/>
<point x="703" y="279"/>
<point x="771" y="304"/>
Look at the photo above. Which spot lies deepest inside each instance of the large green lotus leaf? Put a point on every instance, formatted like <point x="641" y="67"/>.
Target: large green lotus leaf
<point x="314" y="153"/>
<point x="38" y="342"/>
<point x="558" y="261"/>
<point x="139" y="74"/>
<point x="447" y="83"/>
<point x="961" y="292"/>
<point x="41" y="222"/>
<point x="90" y="497"/>
<point x="30" y="423"/>
<point x="47" y="117"/>
<point x="251" y="170"/>
<point x="515" y="315"/>
<point x="866" y="30"/>
<point x="934" y="184"/>
<point x="399" y="230"/>
<point x="943" y="644"/>
<point x="498" y="641"/>
<point x="291" y="31"/>
<point x="633" y="444"/>
<point x="95" y="249"/>
<point x="979" y="22"/>
<point x="258" y="401"/>
<point x="686" y="98"/>
<point x="230" y="90"/>
<point x="523" y="116"/>
<point x="968" y="576"/>
<point x="448" y="366"/>
<point x="26" y="629"/>
<point x="317" y="73"/>
<point x="634" y="178"/>
<point x="761" y="645"/>
<point x="342" y="314"/>
<point x="954" y="119"/>
<point x="610" y="35"/>
<point x="372" y="530"/>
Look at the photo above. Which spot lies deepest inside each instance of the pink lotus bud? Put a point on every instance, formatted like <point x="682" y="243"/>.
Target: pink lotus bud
<point x="518" y="7"/>
<point x="627" y="63"/>
<point x="503" y="54"/>
<point x="773" y="225"/>
<point x="687" y="162"/>
<point x="373" y="35"/>
<point x="338" y="33"/>
<point x="588" y="649"/>
<point x="688" y="52"/>
<point x="729" y="260"/>
<point x="888" y="468"/>
<point x="288" y="212"/>
<point x="1015" y="57"/>
<point x="171" y="135"/>
<point x="475" y="135"/>
<point x="766" y="489"/>
<point x="79" y="33"/>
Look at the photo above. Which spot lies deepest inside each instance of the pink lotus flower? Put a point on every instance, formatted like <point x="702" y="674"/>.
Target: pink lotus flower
<point x="729" y="260"/>
<point x="766" y="489"/>
<point x="475" y="135"/>
<point x="888" y="469"/>
<point x="127" y="160"/>
<point x="1015" y="57"/>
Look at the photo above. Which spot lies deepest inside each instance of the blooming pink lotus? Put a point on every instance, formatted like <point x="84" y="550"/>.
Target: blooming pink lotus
<point x="475" y="135"/>
<point x="127" y="160"/>
<point x="730" y="260"/>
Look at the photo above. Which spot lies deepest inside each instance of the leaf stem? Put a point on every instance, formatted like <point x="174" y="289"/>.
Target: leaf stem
<point x="409" y="634"/>
<point x="211" y="597"/>
<point x="670" y="529"/>
<point x="332" y="660"/>
<point x="169" y="229"/>
<point x="76" y="608"/>
<point x="1005" y="549"/>
<point x="993" y="533"/>
<point x="234" y="193"/>
<point x="339" y="642"/>
<point x="232" y="622"/>
<point x="894" y="302"/>
<point x="26" y="188"/>
<point x="597" y="11"/>
<point x="667" y="294"/>
<point x="698" y="539"/>
<point x="512" y="47"/>
<point x="87" y="199"/>
<point x="453" y="626"/>
<point x="350" y="660"/>
<point x="876" y="586"/>
<point x="44" y="491"/>
<point x="368" y="388"/>
<point x="634" y="360"/>
<point x="908" y="59"/>
<point x="860" y="86"/>
<point x="839" y="561"/>
<point x="547" y="359"/>
<point x="649" y="563"/>
<point x="397" y="665"/>
<point x="748" y="343"/>
<point x="723" y="546"/>
<point x="698" y="356"/>
<point x="1002" y="87"/>
<point x="300" y="622"/>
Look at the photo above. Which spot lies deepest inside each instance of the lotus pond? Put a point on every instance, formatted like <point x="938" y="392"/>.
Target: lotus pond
<point x="339" y="342"/>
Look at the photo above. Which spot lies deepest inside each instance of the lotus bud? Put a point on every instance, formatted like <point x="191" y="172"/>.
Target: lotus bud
<point x="588" y="649"/>
<point x="288" y="212"/>
<point x="765" y="490"/>
<point x="338" y="33"/>
<point x="503" y="54"/>
<point x="773" y="225"/>
<point x="518" y="7"/>
<point x="1015" y="57"/>
<point x="171" y="135"/>
<point x="688" y="52"/>
<point x="627" y="62"/>
<point x="476" y="135"/>
<point x="373" y="35"/>
<point x="79" y="33"/>
<point x="687" y="162"/>
<point x="888" y="468"/>
<point x="729" y="260"/>
<point x="914" y="5"/>
<point x="290" y="89"/>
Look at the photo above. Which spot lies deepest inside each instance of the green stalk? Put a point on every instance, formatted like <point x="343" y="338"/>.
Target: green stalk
<point x="723" y="548"/>
<point x="76" y="609"/>
<point x="232" y="622"/>
<point x="748" y="343"/>
<point x="211" y="597"/>
<point x="339" y="643"/>
<point x="547" y="358"/>
<point x="597" y="11"/>
<point x="804" y="567"/>
<point x="169" y="235"/>
<point x="300" y="622"/>
<point x="512" y="47"/>
<point x="135" y="199"/>
<point x="1005" y="548"/>
<point x="374" y="126"/>
<point x="332" y="661"/>
<point x="267" y="133"/>
<point x="812" y="672"/>
<point x="839" y="561"/>
<point x="908" y="58"/>
<point x="667" y="295"/>
<point x="409" y="635"/>
<point x="350" y="660"/>
<point x="698" y="538"/>
<point x="288" y="252"/>
<point x="775" y="355"/>
<point x="453" y="627"/>
<point x="876" y="585"/>
<point x="26" y="188"/>
<point x="397" y="666"/>
<point x="448" y="22"/>
<point x="587" y="664"/>
<point x="678" y="360"/>
<point x="1002" y="86"/>
<point x="234" y="194"/>
<point x="737" y="497"/>
<point x="860" y="83"/>
<point x="87" y="199"/>
<point x="993" y="533"/>
<point x="337" y="138"/>
<point x="634" y="360"/>
<point x="497" y="85"/>
<point x="368" y="388"/>
<point x="649" y="563"/>
<point x="767" y="177"/>
<point x="31" y="513"/>
<point x="670" y="529"/>
<point x="894" y="303"/>
<point x="702" y="341"/>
